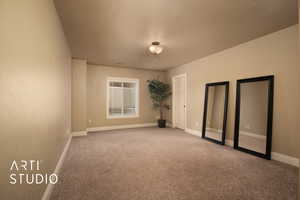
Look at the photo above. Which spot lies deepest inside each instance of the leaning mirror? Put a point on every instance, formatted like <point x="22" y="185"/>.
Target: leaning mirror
<point x="215" y="112"/>
<point x="253" y="118"/>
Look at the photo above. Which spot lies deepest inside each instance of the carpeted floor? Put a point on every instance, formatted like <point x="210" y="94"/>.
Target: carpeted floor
<point x="167" y="164"/>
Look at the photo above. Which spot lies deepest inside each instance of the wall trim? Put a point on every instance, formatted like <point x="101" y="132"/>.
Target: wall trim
<point x="79" y="133"/>
<point x="285" y="159"/>
<point x="49" y="188"/>
<point x="107" y="128"/>
<point x="169" y="125"/>
<point x="274" y="155"/>
<point x="229" y="142"/>
<point x="193" y="132"/>
<point x="214" y="129"/>
<point x="263" y="137"/>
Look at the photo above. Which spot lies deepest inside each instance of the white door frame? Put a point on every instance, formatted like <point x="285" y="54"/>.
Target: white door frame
<point x="185" y="99"/>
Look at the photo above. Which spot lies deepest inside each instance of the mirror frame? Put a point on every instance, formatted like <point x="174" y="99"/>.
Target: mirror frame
<point x="270" y="80"/>
<point x="226" y="84"/>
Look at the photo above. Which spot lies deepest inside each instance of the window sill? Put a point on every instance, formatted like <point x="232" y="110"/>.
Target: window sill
<point x="122" y="117"/>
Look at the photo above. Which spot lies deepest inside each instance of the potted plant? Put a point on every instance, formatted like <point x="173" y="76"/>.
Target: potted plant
<point x="159" y="93"/>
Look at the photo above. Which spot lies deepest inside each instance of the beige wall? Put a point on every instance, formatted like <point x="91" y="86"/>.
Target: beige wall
<point x="35" y="90"/>
<point x="79" y="87"/>
<point x="276" y="54"/>
<point x="96" y="95"/>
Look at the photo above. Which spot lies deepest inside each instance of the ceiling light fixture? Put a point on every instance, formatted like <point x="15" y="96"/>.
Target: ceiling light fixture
<point x="156" y="48"/>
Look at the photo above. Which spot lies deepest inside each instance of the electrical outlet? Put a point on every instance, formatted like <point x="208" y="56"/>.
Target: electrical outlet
<point x="90" y="121"/>
<point x="197" y="124"/>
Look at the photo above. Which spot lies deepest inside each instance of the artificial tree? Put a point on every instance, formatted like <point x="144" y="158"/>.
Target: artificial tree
<point x="159" y="93"/>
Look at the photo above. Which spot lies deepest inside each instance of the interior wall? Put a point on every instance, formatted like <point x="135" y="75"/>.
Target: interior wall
<point x="79" y="93"/>
<point x="96" y="95"/>
<point x="35" y="90"/>
<point x="254" y="107"/>
<point x="276" y="54"/>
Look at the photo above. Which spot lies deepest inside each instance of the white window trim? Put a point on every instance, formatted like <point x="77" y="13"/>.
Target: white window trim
<point x="122" y="79"/>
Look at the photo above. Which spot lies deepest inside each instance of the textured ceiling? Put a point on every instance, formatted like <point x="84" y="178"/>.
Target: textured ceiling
<point x="119" y="32"/>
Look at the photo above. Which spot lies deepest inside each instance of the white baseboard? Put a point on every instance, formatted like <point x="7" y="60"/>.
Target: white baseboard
<point x="253" y="135"/>
<point x="79" y="133"/>
<point x="229" y="142"/>
<point x="193" y="132"/>
<point x="214" y="130"/>
<point x="285" y="159"/>
<point x="274" y="155"/>
<point x="199" y="133"/>
<point x="169" y="125"/>
<point x="49" y="188"/>
<point x="107" y="128"/>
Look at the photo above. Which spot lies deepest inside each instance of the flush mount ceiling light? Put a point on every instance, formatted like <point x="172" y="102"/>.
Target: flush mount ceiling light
<point x="156" y="48"/>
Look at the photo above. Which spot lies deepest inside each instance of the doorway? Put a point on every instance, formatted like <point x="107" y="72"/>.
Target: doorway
<point x="179" y="101"/>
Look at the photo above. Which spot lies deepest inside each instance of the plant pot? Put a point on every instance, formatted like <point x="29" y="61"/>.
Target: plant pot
<point x="161" y="123"/>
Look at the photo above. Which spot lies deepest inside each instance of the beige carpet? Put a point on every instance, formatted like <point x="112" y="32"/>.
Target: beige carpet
<point x="167" y="164"/>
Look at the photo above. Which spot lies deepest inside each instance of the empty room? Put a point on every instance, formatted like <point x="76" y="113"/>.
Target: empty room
<point x="159" y="99"/>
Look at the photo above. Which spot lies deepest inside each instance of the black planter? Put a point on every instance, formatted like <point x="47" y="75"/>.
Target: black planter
<point x="161" y="123"/>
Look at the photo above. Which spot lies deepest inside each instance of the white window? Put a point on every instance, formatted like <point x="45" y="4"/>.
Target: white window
<point x="122" y="98"/>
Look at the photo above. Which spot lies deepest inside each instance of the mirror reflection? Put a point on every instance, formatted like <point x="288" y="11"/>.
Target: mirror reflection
<point x="253" y="116"/>
<point x="215" y="111"/>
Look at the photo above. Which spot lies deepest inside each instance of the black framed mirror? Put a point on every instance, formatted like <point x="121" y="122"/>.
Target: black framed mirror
<point x="215" y="112"/>
<point x="254" y="116"/>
